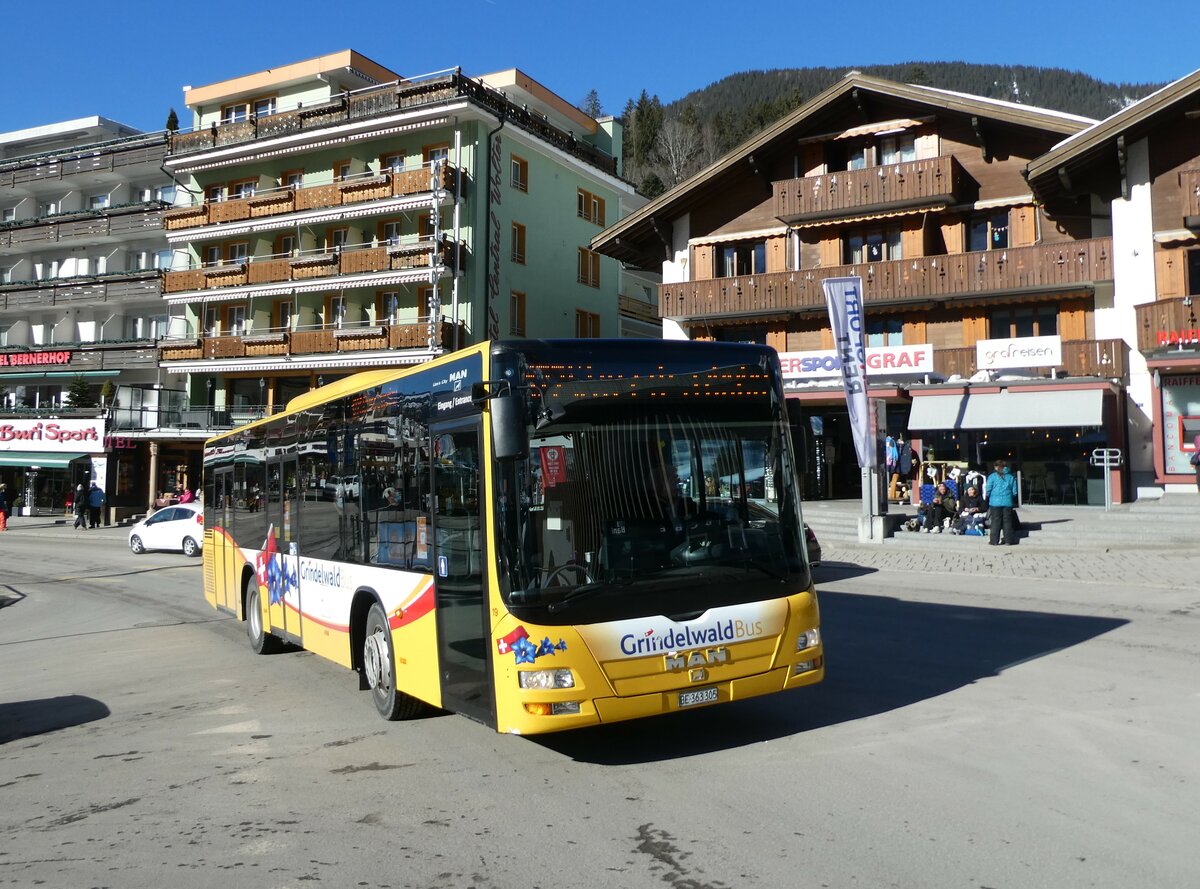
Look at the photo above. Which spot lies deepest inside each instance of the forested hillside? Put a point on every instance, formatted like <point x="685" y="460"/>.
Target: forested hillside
<point x="665" y="144"/>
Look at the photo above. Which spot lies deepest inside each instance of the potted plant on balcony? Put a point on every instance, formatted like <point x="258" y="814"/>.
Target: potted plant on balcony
<point x="106" y="394"/>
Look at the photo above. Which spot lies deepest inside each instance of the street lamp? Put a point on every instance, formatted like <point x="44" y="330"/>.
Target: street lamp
<point x="262" y="393"/>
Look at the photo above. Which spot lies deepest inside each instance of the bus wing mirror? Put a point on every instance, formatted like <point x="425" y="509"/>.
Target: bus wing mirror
<point x="510" y="434"/>
<point x="799" y="435"/>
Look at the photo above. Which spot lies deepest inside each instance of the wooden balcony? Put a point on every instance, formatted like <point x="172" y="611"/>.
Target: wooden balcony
<point x="110" y="288"/>
<point x="133" y="220"/>
<point x="351" y="261"/>
<point x="924" y="183"/>
<point x="319" y="341"/>
<point x="1045" y="268"/>
<point x="101" y="355"/>
<point x="1081" y="358"/>
<point x="1189" y="183"/>
<point x="280" y="201"/>
<point x="1169" y="324"/>
<point x="116" y="154"/>
<point x="389" y="99"/>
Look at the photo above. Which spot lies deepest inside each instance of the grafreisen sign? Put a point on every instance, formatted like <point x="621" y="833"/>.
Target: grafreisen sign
<point x="59" y="436"/>
<point x="881" y="360"/>
<point x="1028" y="351"/>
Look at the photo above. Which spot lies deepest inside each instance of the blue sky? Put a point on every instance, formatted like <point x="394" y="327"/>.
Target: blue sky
<point x="131" y="62"/>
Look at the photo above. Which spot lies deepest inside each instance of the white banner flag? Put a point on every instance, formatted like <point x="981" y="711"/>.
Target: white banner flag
<point x="844" y="297"/>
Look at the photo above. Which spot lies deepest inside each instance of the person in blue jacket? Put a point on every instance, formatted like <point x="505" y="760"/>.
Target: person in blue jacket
<point x="1001" y="496"/>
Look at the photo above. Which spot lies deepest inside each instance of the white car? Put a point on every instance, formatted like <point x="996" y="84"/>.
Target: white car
<point x="179" y="528"/>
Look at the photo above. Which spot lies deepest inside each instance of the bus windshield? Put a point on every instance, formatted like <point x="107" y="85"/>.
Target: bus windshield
<point x="656" y="513"/>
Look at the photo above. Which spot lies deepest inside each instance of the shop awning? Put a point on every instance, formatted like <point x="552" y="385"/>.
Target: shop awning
<point x="41" y="459"/>
<point x="1034" y="410"/>
<point x="934" y="412"/>
<point x="1008" y="410"/>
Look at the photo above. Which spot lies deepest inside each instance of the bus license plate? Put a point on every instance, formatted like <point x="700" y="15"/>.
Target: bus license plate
<point x="699" y="696"/>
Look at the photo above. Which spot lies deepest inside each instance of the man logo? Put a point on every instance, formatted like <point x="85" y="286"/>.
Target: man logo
<point x="691" y="660"/>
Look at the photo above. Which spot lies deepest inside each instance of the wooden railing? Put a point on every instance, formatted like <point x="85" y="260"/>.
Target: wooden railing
<point x="1080" y="358"/>
<point x="389" y="99"/>
<point x="321" y="341"/>
<point x="111" y="355"/>
<point x="110" y="156"/>
<point x="1189" y="182"/>
<point x="351" y="261"/>
<point x="928" y="182"/>
<point x="112" y="287"/>
<point x="1066" y="266"/>
<point x="1169" y="324"/>
<point x="87" y="224"/>
<point x="281" y="201"/>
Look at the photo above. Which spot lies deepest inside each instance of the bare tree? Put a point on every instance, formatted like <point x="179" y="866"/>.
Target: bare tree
<point x="678" y="147"/>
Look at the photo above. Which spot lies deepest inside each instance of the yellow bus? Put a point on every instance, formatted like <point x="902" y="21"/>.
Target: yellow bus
<point x="538" y="534"/>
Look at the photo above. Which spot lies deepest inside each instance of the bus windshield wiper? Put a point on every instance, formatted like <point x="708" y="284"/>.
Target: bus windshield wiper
<point x="751" y="562"/>
<point x="580" y="592"/>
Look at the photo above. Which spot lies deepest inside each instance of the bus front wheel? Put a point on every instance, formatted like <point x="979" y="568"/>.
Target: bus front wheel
<point x="261" y="641"/>
<point x="379" y="665"/>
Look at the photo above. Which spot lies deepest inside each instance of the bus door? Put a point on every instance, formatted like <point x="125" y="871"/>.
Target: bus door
<point x="459" y="557"/>
<point x="226" y="563"/>
<point x="283" y="580"/>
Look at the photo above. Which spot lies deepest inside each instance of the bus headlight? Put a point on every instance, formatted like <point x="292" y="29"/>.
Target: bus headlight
<point x="546" y="679"/>
<point x="808" y="639"/>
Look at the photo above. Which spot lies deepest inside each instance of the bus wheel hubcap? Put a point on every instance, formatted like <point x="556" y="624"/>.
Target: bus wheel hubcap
<point x="378" y="666"/>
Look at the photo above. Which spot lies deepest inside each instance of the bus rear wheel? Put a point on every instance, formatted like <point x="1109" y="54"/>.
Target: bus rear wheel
<point x="379" y="665"/>
<point x="261" y="642"/>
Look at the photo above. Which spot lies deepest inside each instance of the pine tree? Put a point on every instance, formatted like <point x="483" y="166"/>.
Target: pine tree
<point x="591" y="105"/>
<point x="80" y="394"/>
<point x="172" y="121"/>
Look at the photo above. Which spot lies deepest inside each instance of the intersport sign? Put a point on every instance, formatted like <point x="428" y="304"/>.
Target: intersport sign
<point x="881" y="360"/>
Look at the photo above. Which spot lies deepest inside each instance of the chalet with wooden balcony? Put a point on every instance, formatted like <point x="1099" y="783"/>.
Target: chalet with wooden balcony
<point x="1142" y="165"/>
<point x="920" y="193"/>
<point x="345" y="217"/>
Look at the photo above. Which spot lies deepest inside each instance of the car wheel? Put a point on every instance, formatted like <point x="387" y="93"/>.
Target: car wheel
<point x="261" y="642"/>
<point x="135" y="544"/>
<point x="190" y="547"/>
<point x="379" y="664"/>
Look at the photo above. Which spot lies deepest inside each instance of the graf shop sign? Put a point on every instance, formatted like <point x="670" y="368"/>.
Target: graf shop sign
<point x="881" y="360"/>
<point x="52" y="435"/>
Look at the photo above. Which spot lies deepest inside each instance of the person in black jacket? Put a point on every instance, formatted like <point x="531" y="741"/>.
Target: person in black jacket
<point x="940" y="509"/>
<point x="972" y="511"/>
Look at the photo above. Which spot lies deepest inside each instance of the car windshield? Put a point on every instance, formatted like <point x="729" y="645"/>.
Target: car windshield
<point x="656" y="514"/>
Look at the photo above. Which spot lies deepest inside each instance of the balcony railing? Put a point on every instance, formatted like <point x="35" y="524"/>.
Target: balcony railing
<point x="132" y="419"/>
<point x="133" y="219"/>
<point x="102" y="355"/>
<point x="1080" y="358"/>
<point x="115" y="154"/>
<point x="355" y="260"/>
<point x="390" y="99"/>
<point x="1189" y="182"/>
<point x="320" y="340"/>
<point x="109" y="287"/>
<point x="289" y="199"/>
<point x="1066" y="266"/>
<point x="1168" y="324"/>
<point x="928" y="182"/>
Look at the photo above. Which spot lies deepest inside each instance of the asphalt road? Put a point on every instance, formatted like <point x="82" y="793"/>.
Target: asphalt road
<point x="973" y="732"/>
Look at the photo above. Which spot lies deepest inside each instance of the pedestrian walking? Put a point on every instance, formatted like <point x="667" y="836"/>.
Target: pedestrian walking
<point x="95" y="501"/>
<point x="80" y="507"/>
<point x="4" y="507"/>
<point x="1001" y="494"/>
<point x="1196" y="460"/>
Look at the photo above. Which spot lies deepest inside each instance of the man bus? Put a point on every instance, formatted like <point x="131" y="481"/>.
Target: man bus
<point x="540" y="535"/>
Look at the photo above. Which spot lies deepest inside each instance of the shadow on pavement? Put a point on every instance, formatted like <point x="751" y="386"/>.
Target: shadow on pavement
<point x="882" y="653"/>
<point x="25" y="719"/>
<point x="829" y="571"/>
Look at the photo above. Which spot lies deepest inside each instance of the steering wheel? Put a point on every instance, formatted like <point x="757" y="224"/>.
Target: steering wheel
<point x="570" y="566"/>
